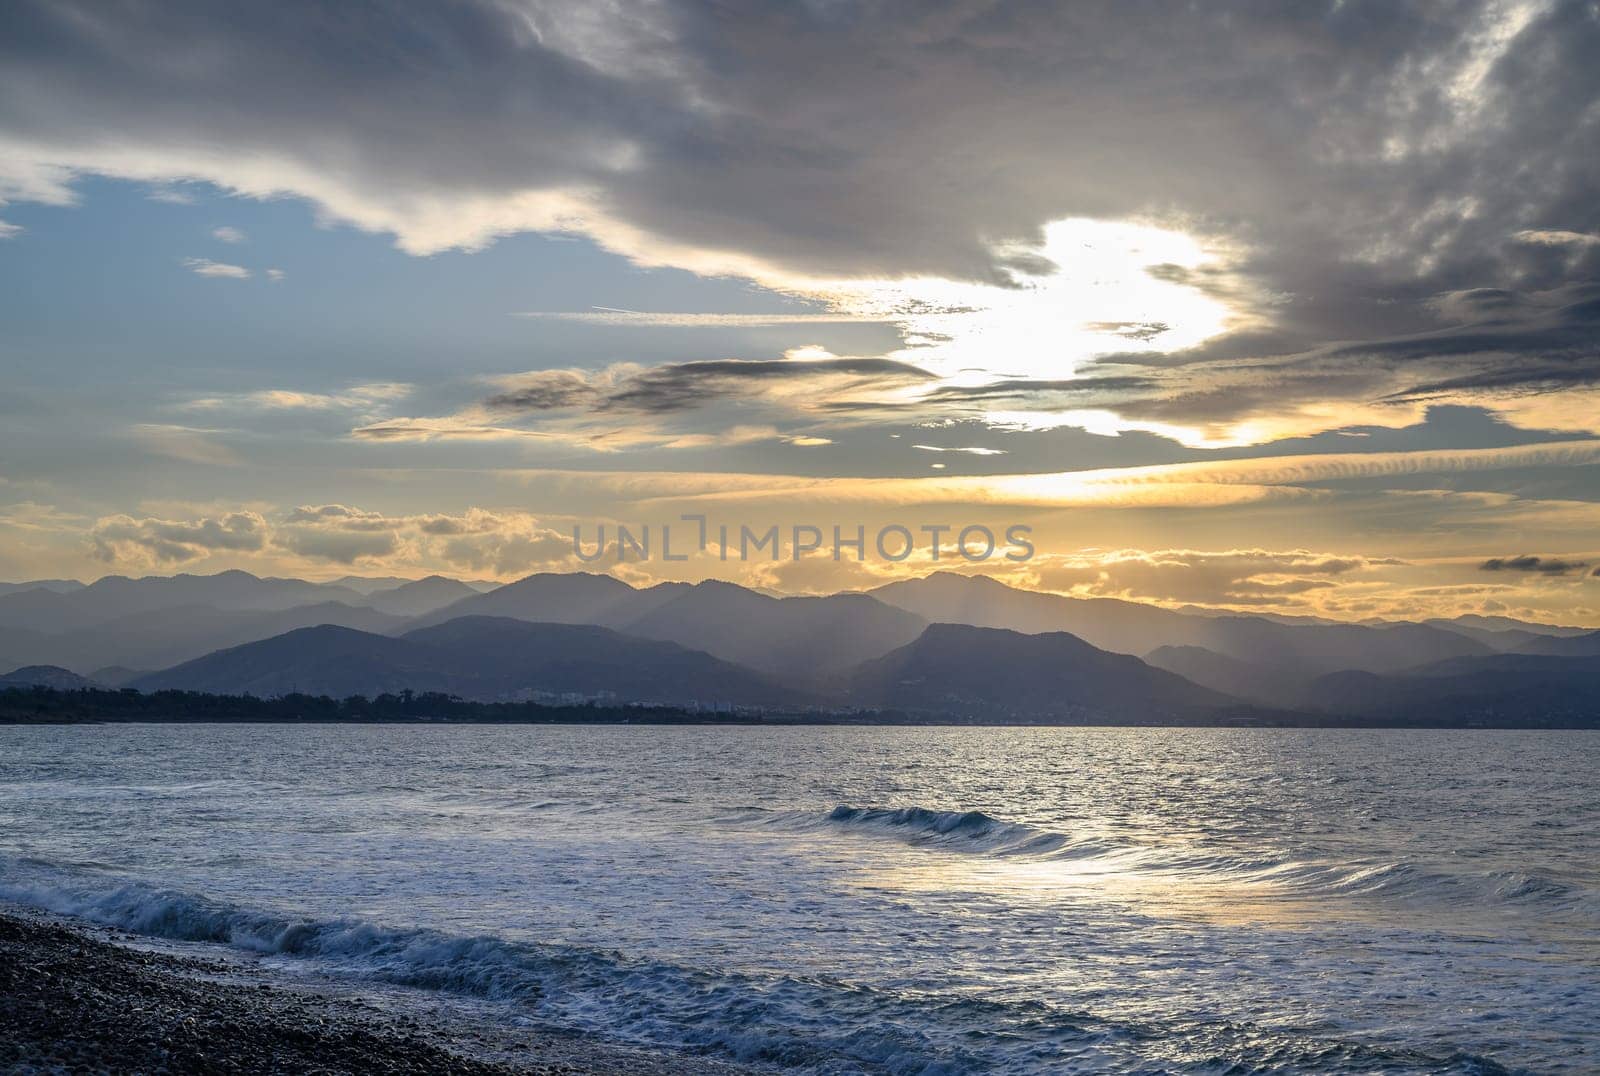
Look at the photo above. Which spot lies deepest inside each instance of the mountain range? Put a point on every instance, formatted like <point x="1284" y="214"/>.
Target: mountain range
<point x="1050" y="678"/>
<point x="481" y="658"/>
<point x="948" y="646"/>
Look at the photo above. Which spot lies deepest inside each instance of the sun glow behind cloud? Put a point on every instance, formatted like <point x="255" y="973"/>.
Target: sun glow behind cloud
<point x="1091" y="288"/>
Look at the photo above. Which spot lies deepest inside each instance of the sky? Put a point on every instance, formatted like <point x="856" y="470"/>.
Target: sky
<point x="1280" y="308"/>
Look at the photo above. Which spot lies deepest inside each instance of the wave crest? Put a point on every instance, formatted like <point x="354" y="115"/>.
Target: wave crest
<point x="815" y="1025"/>
<point x="977" y="833"/>
<point x="973" y="829"/>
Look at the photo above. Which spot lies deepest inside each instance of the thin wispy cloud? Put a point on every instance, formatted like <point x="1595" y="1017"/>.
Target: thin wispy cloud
<point x="217" y="270"/>
<point x="1533" y="564"/>
<point x="1555" y="237"/>
<point x="228" y="234"/>
<point x="170" y="196"/>
<point x="185" y="444"/>
<point x="970" y="450"/>
<point x="355" y="397"/>
<point x="665" y="320"/>
<point x="632" y="406"/>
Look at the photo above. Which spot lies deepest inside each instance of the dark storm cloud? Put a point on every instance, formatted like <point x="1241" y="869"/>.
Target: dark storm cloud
<point x="1366" y="150"/>
<point x="685" y="386"/>
<point x="1549" y="374"/>
<point x="1539" y="565"/>
<point x="1018" y="388"/>
<point x="548" y="390"/>
<point x="976" y="399"/>
<point x="1501" y="343"/>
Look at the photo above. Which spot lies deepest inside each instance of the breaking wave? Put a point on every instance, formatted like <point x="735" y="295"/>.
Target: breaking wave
<point x="977" y="833"/>
<point x="788" y="1021"/>
<point x="814" y="1025"/>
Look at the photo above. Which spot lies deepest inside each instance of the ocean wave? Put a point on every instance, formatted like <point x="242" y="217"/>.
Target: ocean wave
<point x="822" y="1027"/>
<point x="1413" y="881"/>
<point x="972" y="832"/>
<point x="976" y="833"/>
<point x="968" y="830"/>
<point x="810" y="1024"/>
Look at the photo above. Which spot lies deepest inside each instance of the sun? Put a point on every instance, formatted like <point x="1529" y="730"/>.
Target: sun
<point x="1115" y="286"/>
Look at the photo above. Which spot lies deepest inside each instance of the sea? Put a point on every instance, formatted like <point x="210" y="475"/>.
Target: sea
<point x="835" y="900"/>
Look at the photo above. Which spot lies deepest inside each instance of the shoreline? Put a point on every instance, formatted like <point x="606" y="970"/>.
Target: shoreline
<point x="25" y="706"/>
<point x="76" y="997"/>
<point x="7" y="721"/>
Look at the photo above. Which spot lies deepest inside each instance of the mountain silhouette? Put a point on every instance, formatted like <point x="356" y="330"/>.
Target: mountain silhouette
<point x="482" y="658"/>
<point x="989" y="673"/>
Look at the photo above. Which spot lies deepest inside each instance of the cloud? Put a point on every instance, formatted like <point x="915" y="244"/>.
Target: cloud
<point x="124" y="539"/>
<point x="1216" y="483"/>
<point x="9" y="230"/>
<point x="337" y="544"/>
<point x="170" y="195"/>
<point x="682" y="135"/>
<point x="1538" y="565"/>
<point x="1241" y="577"/>
<point x="31" y="516"/>
<point x="477" y="540"/>
<point x="1553" y="237"/>
<point x="228" y="234"/>
<point x="186" y="444"/>
<point x="313" y="539"/>
<point x="1290" y="190"/>
<point x="819" y="575"/>
<point x="341" y="516"/>
<point x="685" y="386"/>
<point x="513" y="548"/>
<point x="1526" y="356"/>
<point x="548" y="390"/>
<point x="665" y="320"/>
<point x="305" y="538"/>
<point x="968" y="450"/>
<point x="275" y="275"/>
<point x="221" y="270"/>
<point x="368" y="396"/>
<point x="698" y="404"/>
<point x="1225" y="226"/>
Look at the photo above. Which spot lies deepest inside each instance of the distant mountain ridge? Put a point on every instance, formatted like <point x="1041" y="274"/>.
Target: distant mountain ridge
<point x="58" y="586"/>
<point x="419" y="597"/>
<point x="117" y="596"/>
<point x="1570" y="646"/>
<point x="481" y="658"/>
<point x="949" y="671"/>
<point x="158" y="638"/>
<point x="1132" y="628"/>
<point x="50" y="676"/>
<point x="160" y="620"/>
<point x="964" y="646"/>
<point x="1505" y="689"/>
<point x="735" y="623"/>
<point x="993" y="673"/>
